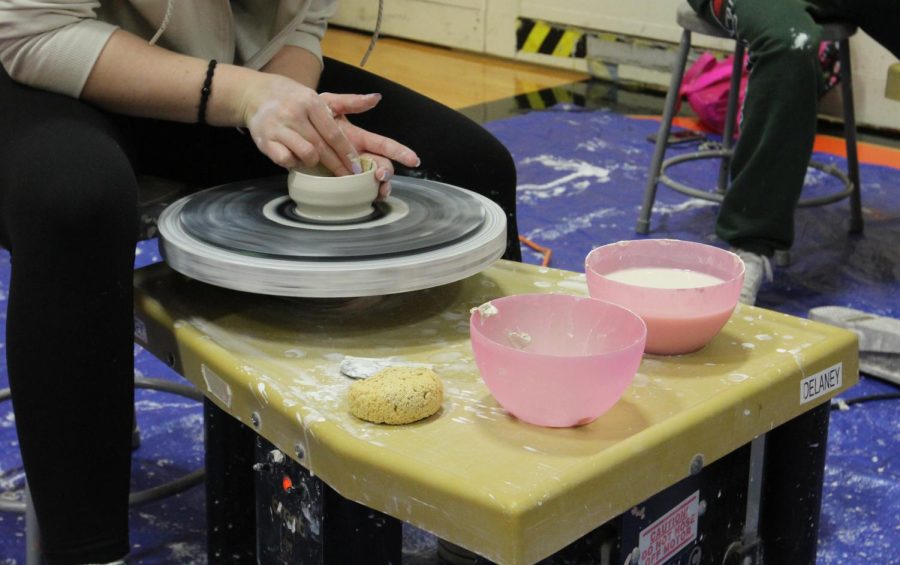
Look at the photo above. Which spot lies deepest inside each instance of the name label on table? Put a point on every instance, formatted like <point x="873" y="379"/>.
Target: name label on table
<point x="216" y="385"/>
<point x="821" y="383"/>
<point x="673" y="532"/>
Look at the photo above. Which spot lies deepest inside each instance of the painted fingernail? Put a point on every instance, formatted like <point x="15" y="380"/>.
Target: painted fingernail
<point x="383" y="175"/>
<point x="375" y="94"/>
<point x="418" y="162"/>
<point x="355" y="165"/>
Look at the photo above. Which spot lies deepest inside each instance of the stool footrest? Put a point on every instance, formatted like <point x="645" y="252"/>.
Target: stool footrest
<point x="827" y="168"/>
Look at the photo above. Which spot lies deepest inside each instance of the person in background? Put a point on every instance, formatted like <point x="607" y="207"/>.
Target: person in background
<point x="779" y="116"/>
<point x="94" y="94"/>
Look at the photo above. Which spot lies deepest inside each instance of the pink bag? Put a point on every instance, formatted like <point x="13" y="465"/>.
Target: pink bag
<point x="706" y="85"/>
<point x="707" y="82"/>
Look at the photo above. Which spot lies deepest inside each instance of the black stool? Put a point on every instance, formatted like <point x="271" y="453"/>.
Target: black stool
<point x="690" y="22"/>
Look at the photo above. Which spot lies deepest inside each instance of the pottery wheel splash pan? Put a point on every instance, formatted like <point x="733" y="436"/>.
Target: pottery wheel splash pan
<point x="246" y="236"/>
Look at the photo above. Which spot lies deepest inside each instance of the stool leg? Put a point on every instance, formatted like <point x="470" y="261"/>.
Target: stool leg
<point x="856" y="219"/>
<point x="665" y="126"/>
<point x="32" y="532"/>
<point x="731" y="115"/>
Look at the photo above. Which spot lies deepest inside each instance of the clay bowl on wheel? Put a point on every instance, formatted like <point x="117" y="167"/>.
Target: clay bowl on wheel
<point x="321" y="196"/>
<point x="684" y="291"/>
<point x="556" y="360"/>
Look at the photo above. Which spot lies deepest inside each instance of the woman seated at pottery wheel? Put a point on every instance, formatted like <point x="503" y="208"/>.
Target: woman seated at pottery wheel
<point x="95" y="94"/>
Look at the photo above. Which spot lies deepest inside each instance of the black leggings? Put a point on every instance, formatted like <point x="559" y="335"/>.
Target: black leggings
<point x="68" y="199"/>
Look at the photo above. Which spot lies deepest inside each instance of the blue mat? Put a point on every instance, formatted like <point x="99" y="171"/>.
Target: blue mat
<point x="581" y="181"/>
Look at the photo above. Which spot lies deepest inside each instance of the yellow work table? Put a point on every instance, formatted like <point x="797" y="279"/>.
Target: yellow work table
<point x="472" y="474"/>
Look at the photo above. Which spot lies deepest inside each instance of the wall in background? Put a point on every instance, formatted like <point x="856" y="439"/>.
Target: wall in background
<point x="625" y="41"/>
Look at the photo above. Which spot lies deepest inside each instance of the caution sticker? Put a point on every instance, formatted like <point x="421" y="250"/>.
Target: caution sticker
<point x="537" y="36"/>
<point x="670" y="534"/>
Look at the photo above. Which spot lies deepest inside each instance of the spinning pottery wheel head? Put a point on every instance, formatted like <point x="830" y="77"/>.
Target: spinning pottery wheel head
<point x="248" y="236"/>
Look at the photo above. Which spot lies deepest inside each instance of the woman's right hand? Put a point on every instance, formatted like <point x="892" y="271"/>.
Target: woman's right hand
<point x="292" y="125"/>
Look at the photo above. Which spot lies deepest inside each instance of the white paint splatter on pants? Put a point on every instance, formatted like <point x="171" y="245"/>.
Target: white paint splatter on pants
<point x="801" y="40"/>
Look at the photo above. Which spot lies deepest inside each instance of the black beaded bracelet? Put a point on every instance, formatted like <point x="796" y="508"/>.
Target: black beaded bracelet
<point x="204" y="92"/>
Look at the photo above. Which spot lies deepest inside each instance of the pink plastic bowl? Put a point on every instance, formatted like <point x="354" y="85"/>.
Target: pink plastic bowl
<point x="679" y="320"/>
<point x="556" y="360"/>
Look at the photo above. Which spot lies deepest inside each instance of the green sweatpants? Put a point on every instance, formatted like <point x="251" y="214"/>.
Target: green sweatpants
<point x="778" y="122"/>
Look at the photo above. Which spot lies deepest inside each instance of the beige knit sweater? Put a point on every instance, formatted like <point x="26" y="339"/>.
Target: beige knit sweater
<point x="53" y="44"/>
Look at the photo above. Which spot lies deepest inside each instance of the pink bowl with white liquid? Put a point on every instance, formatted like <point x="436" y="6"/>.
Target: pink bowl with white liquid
<point x="684" y="291"/>
<point x="556" y="360"/>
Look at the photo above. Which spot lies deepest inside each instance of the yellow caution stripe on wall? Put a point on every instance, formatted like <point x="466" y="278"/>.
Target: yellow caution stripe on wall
<point x="537" y="36"/>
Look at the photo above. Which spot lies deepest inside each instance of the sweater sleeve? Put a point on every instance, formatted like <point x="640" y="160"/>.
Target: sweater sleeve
<point x="51" y="45"/>
<point x="308" y="33"/>
<point x="304" y="29"/>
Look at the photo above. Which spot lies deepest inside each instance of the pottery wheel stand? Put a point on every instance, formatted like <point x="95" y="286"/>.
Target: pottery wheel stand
<point x="248" y="236"/>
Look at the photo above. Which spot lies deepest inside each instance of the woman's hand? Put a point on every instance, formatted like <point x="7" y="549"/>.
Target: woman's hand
<point x="377" y="147"/>
<point x="293" y="125"/>
<point x="288" y="121"/>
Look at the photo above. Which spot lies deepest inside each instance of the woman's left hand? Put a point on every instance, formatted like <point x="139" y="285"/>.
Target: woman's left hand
<point x="379" y="148"/>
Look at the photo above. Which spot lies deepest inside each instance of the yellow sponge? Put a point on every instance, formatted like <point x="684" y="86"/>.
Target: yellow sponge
<point x="397" y="395"/>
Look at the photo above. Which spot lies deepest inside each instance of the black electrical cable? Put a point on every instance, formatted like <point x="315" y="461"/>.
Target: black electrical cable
<point x="837" y="405"/>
